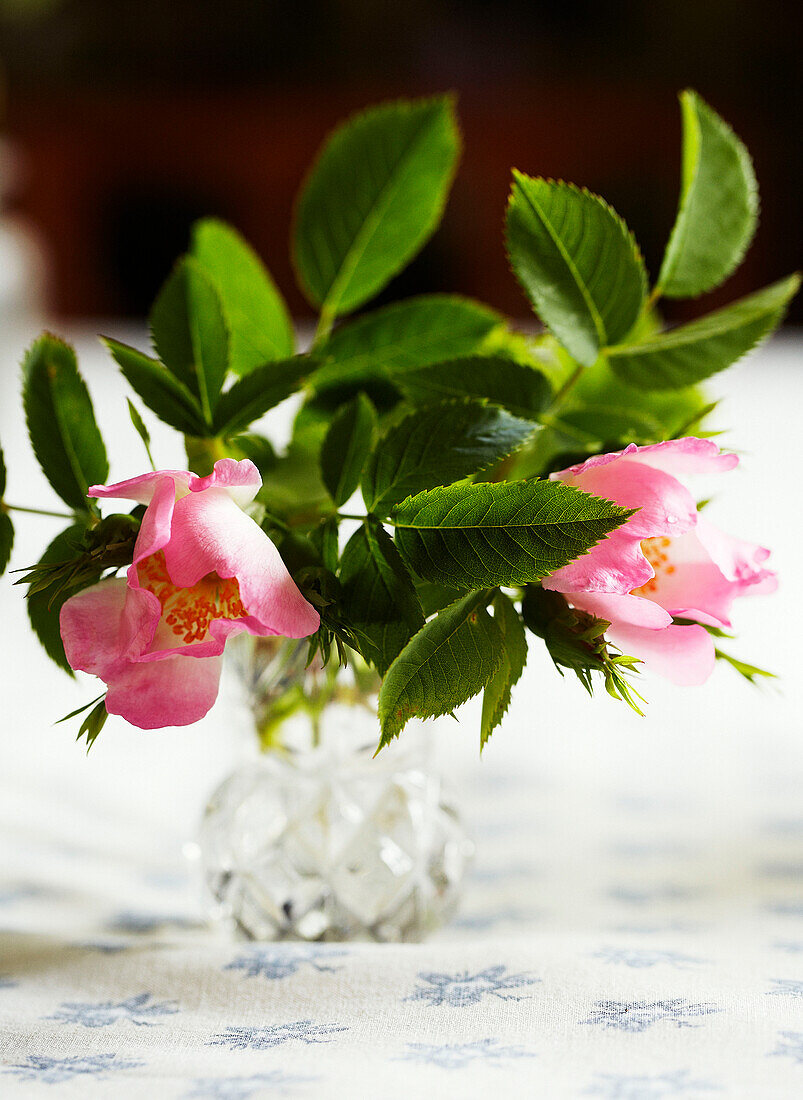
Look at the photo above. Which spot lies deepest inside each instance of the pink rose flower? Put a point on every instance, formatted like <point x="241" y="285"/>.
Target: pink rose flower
<point x="665" y="562"/>
<point x="202" y="571"/>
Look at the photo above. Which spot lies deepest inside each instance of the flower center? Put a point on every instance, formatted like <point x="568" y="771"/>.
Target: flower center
<point x="656" y="551"/>
<point x="189" y="611"/>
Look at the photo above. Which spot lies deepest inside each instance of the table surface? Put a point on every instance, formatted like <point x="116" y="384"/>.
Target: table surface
<point x="633" y="927"/>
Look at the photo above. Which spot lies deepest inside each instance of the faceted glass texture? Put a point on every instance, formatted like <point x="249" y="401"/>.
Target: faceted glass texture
<point x="319" y="840"/>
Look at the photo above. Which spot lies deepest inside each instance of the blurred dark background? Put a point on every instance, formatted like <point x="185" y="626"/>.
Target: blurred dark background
<point x="134" y="117"/>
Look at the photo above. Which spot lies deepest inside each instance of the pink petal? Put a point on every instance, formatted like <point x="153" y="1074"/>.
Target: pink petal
<point x="675" y="456"/>
<point x="682" y="654"/>
<point x="210" y="533"/>
<point x="143" y="487"/>
<point x="683" y="457"/>
<point x="106" y="626"/>
<point x="176" y="691"/>
<point x="89" y="623"/>
<point x="241" y="480"/>
<point x="617" y="564"/>
<point x="740" y="562"/>
<point x="697" y="588"/>
<point x="155" y="529"/>
<point x="624" y="610"/>
<point x="665" y="506"/>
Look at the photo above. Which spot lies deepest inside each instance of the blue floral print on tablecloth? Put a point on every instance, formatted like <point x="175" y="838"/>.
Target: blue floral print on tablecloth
<point x="277" y="961"/>
<point x="641" y="1015"/>
<point x="140" y="1009"/>
<point x="613" y="1086"/>
<point x="464" y="989"/>
<point x="271" y="1083"/>
<point x="54" y="1071"/>
<point x="460" y="1055"/>
<point x="274" y="1035"/>
<point x="790" y="1045"/>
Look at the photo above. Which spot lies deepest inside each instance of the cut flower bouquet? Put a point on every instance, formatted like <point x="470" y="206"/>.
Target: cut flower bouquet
<point x="451" y="483"/>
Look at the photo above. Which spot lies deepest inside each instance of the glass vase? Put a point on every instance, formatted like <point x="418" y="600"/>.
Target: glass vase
<point x="318" y="839"/>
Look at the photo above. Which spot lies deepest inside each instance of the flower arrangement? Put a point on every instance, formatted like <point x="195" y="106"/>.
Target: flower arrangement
<point x="510" y="481"/>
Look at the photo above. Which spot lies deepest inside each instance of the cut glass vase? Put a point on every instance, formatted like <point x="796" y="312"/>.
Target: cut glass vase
<point x="317" y="839"/>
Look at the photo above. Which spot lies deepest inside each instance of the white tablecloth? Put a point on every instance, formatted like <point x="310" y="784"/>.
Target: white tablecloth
<point x="633" y="927"/>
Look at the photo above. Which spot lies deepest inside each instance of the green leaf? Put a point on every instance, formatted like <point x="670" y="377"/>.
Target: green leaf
<point x="258" y="391"/>
<point x="433" y="597"/>
<point x="6" y="526"/>
<point x="346" y="448"/>
<point x="93" y="724"/>
<point x="80" y="710"/>
<point x="505" y="533"/>
<point x="61" y="421"/>
<point x="690" y="353"/>
<point x="375" y="195"/>
<point x="189" y="332"/>
<point x="577" y="262"/>
<point x="522" y="390"/>
<point x="257" y="448"/>
<point x="448" y="661"/>
<point x="325" y="539"/>
<point x="718" y="207"/>
<point x="496" y="697"/>
<point x="141" y="430"/>
<point x="436" y="446"/>
<point x="295" y="482"/>
<point x="260" y="328"/>
<point x="45" y="605"/>
<point x="602" y="424"/>
<point x="751" y="673"/>
<point x="576" y="640"/>
<point x="403" y="336"/>
<point x="6" y="539"/>
<point x="162" y="393"/>
<point x="379" y="594"/>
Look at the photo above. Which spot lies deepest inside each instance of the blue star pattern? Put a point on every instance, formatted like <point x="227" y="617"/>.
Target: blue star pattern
<point x="103" y="947"/>
<point x="786" y="908"/>
<point x="272" y="1083"/>
<point x="631" y="895"/>
<point x="790" y="947"/>
<point x="142" y="924"/>
<point x="283" y="960"/>
<point x="140" y="1010"/>
<point x="790" y="1045"/>
<point x="464" y="989"/>
<point x="787" y="987"/>
<point x="459" y="1055"/>
<point x="479" y="922"/>
<point x="640" y="1015"/>
<point x="53" y="1071"/>
<point x="614" y="1086"/>
<point x="263" y="1038"/>
<point x="6" y="983"/>
<point x="21" y="892"/>
<point x="640" y="958"/>
<point x="781" y="869"/>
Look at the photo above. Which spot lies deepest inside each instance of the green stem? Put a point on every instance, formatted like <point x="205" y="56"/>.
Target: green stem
<point x="203" y="452"/>
<point x="567" y="386"/>
<point x="325" y="323"/>
<point x="655" y="294"/>
<point x="567" y="429"/>
<point x="36" y="511"/>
